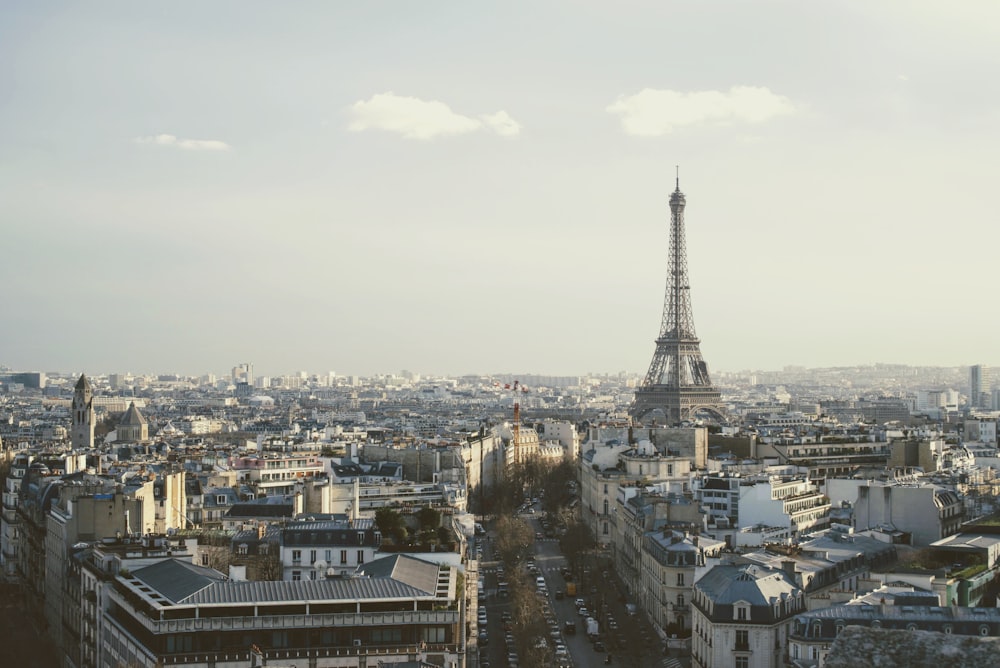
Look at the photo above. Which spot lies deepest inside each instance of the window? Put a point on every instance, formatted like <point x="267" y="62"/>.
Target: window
<point x="328" y="556"/>
<point x="361" y="556"/>
<point x="387" y="635"/>
<point x="432" y="634"/>
<point x="296" y="576"/>
<point x="743" y="662"/>
<point x="312" y="556"/>
<point x="741" y="613"/>
<point x="242" y="548"/>
<point x="605" y="488"/>
<point x="343" y="556"/>
<point x="605" y="506"/>
<point x="296" y="556"/>
<point x="312" y="575"/>
<point x="361" y="538"/>
<point x="680" y="600"/>
<point x="742" y="639"/>
<point x="680" y="579"/>
<point x="204" y="559"/>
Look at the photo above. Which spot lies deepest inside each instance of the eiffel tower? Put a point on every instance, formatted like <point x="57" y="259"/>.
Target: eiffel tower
<point x="677" y="383"/>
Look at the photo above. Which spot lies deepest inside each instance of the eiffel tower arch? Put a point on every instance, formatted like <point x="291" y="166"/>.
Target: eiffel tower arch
<point x="677" y="386"/>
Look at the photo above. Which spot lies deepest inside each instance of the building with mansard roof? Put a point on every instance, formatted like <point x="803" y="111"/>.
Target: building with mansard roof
<point x="740" y="616"/>
<point x="814" y="632"/>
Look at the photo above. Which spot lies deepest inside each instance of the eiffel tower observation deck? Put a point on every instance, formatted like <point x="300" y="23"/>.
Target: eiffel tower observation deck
<point x="677" y="386"/>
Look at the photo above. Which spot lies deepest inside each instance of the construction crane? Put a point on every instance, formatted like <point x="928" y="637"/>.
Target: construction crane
<point x="516" y="440"/>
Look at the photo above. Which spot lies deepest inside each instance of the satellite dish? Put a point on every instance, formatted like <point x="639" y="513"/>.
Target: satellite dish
<point x="320" y="565"/>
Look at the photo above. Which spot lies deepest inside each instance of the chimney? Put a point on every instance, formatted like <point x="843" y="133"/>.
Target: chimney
<point x="261" y="530"/>
<point x="788" y="566"/>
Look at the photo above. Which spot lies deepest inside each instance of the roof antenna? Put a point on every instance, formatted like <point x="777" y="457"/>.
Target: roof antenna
<point x="678" y="167"/>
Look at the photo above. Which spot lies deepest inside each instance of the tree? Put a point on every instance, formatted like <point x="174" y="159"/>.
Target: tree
<point x="514" y="536"/>
<point x="575" y="542"/>
<point x="391" y="524"/>
<point x="428" y="518"/>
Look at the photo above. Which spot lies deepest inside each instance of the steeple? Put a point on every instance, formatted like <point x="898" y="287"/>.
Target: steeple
<point x="82" y="433"/>
<point x="83" y="383"/>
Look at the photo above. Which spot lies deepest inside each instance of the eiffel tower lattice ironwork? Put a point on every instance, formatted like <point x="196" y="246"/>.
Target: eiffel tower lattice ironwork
<point x="677" y="383"/>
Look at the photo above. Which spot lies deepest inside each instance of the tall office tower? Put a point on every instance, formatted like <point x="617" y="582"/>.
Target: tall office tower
<point x="979" y="386"/>
<point x="243" y="373"/>
<point x="677" y="383"/>
<point x="82" y="433"/>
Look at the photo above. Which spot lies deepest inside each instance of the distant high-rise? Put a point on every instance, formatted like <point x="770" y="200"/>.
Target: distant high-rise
<point x="677" y="382"/>
<point x="82" y="433"/>
<point x="243" y="373"/>
<point x="979" y="386"/>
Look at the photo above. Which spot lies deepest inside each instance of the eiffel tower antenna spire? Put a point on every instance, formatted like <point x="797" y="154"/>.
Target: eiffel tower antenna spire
<point x="677" y="383"/>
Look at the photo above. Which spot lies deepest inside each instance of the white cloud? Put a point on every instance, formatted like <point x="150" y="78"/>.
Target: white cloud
<point x="652" y="113"/>
<point x="502" y="124"/>
<point x="902" y="77"/>
<point x="185" y="144"/>
<point x="422" y="119"/>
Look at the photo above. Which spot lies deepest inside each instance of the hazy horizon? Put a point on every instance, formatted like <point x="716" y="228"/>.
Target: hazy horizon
<point x="454" y="186"/>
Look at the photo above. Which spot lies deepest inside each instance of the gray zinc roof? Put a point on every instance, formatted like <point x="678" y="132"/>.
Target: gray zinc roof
<point x="276" y="591"/>
<point x="404" y="568"/>
<point x="177" y="580"/>
<point x="757" y="585"/>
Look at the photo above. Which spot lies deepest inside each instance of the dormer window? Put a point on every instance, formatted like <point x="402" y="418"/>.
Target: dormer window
<point x="741" y="611"/>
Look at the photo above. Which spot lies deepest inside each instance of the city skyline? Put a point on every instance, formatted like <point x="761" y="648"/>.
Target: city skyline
<point x="454" y="189"/>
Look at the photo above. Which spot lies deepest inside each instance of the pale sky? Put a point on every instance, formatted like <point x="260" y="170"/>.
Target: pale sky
<point x="456" y="187"/>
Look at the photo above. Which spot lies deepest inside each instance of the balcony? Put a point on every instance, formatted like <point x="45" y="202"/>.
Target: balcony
<point x="276" y="622"/>
<point x="277" y="655"/>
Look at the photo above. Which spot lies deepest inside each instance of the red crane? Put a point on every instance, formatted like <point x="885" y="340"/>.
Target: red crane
<point x="515" y="387"/>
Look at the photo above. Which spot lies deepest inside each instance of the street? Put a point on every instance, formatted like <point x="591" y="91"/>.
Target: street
<point x="633" y="643"/>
